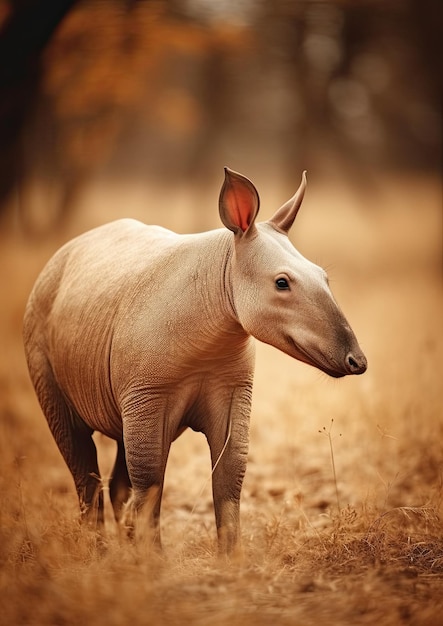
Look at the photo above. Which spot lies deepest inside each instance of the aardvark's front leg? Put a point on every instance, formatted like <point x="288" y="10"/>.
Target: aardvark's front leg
<point x="228" y="440"/>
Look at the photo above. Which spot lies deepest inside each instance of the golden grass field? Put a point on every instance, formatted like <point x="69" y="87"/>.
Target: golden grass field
<point x="360" y="542"/>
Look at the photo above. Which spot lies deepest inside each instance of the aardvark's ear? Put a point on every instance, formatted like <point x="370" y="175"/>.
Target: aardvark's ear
<point x="239" y="203"/>
<point x="286" y="214"/>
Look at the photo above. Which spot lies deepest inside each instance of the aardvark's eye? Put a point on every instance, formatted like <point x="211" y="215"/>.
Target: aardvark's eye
<point x="282" y="284"/>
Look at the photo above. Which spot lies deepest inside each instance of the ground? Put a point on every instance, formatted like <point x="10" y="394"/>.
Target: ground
<point x="342" y="499"/>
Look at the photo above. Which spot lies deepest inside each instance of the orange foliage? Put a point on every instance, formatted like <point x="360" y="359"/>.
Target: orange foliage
<point x="106" y="65"/>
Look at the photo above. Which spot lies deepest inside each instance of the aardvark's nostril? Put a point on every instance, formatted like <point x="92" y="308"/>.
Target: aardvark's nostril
<point x="356" y="365"/>
<point x="352" y="362"/>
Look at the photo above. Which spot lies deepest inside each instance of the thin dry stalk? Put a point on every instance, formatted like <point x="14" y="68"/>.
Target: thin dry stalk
<point x="327" y="433"/>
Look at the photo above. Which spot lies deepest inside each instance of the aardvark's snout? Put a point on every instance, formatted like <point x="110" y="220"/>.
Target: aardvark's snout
<point x="356" y="363"/>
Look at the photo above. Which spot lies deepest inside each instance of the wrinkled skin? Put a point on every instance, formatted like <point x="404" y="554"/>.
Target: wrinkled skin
<point x="139" y="333"/>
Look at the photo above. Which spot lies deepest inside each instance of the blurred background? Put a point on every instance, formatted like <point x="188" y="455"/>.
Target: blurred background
<point x="123" y="108"/>
<point x="163" y="93"/>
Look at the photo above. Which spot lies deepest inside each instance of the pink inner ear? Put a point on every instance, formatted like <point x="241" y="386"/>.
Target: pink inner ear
<point x="238" y="200"/>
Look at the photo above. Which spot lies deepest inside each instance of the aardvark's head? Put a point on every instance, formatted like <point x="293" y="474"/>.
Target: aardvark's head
<point x="280" y="297"/>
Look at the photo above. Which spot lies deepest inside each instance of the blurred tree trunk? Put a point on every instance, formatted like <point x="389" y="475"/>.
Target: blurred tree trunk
<point x="23" y="36"/>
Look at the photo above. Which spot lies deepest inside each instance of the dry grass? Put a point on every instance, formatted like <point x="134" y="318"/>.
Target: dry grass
<point x="342" y="508"/>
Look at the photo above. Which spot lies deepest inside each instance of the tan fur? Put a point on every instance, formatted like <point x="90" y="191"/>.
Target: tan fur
<point x="139" y="333"/>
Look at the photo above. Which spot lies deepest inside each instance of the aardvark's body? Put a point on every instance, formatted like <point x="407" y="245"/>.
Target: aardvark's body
<point x="139" y="333"/>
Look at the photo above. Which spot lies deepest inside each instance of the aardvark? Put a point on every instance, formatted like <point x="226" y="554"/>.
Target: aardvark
<point x="139" y="333"/>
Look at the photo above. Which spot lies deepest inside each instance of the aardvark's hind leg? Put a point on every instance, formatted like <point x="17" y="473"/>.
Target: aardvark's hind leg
<point x="73" y="437"/>
<point x="120" y="484"/>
